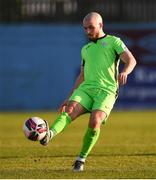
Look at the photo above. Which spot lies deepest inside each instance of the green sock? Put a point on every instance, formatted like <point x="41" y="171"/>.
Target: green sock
<point x="60" y="123"/>
<point x="89" y="141"/>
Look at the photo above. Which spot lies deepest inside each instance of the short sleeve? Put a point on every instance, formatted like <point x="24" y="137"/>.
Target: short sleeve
<point x="119" y="46"/>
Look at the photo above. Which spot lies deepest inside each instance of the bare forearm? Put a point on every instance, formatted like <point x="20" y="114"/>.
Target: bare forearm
<point x="78" y="81"/>
<point x="129" y="64"/>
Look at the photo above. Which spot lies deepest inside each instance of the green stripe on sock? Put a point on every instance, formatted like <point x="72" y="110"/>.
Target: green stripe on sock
<point x="89" y="141"/>
<point x="60" y="123"/>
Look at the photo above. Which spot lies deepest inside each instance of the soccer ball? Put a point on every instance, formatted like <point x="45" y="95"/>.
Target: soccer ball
<point x="35" y="128"/>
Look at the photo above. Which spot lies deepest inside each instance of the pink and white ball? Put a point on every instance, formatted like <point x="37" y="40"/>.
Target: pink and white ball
<point x="35" y="128"/>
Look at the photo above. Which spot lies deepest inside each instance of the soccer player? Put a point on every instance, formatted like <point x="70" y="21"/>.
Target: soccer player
<point x="96" y="87"/>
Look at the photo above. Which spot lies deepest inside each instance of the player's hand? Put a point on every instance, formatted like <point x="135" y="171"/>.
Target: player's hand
<point x="122" y="78"/>
<point x="63" y="106"/>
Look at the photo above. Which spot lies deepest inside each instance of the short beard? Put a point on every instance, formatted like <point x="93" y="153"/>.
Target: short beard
<point x="94" y="38"/>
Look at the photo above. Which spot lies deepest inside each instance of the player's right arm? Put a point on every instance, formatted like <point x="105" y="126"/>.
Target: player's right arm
<point x="78" y="81"/>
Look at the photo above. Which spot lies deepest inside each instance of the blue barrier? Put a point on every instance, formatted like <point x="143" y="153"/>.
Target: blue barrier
<point x="140" y="91"/>
<point x="39" y="64"/>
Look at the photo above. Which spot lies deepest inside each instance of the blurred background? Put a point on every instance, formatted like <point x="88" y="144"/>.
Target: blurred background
<point x="40" y="44"/>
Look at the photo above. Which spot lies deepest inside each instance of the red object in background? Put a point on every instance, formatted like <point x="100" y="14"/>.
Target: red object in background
<point x="141" y="42"/>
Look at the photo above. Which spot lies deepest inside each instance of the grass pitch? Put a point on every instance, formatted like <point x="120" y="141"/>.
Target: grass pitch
<point x="126" y="148"/>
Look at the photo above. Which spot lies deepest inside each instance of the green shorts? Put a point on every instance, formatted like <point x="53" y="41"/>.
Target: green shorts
<point x="94" y="99"/>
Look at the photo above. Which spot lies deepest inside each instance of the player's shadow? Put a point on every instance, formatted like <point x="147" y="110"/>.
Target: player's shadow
<point x="91" y="155"/>
<point x="126" y="154"/>
<point x="106" y="155"/>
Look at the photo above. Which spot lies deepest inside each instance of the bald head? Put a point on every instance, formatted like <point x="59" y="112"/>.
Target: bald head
<point x="93" y="16"/>
<point x="93" y="25"/>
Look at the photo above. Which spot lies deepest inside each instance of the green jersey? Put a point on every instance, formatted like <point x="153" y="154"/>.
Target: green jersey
<point x="101" y="60"/>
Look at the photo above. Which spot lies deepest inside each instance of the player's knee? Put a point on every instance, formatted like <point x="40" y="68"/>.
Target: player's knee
<point x="70" y="111"/>
<point x="96" y="119"/>
<point x="95" y="124"/>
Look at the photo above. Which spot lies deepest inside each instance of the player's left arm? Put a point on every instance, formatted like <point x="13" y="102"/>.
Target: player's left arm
<point x="129" y="64"/>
